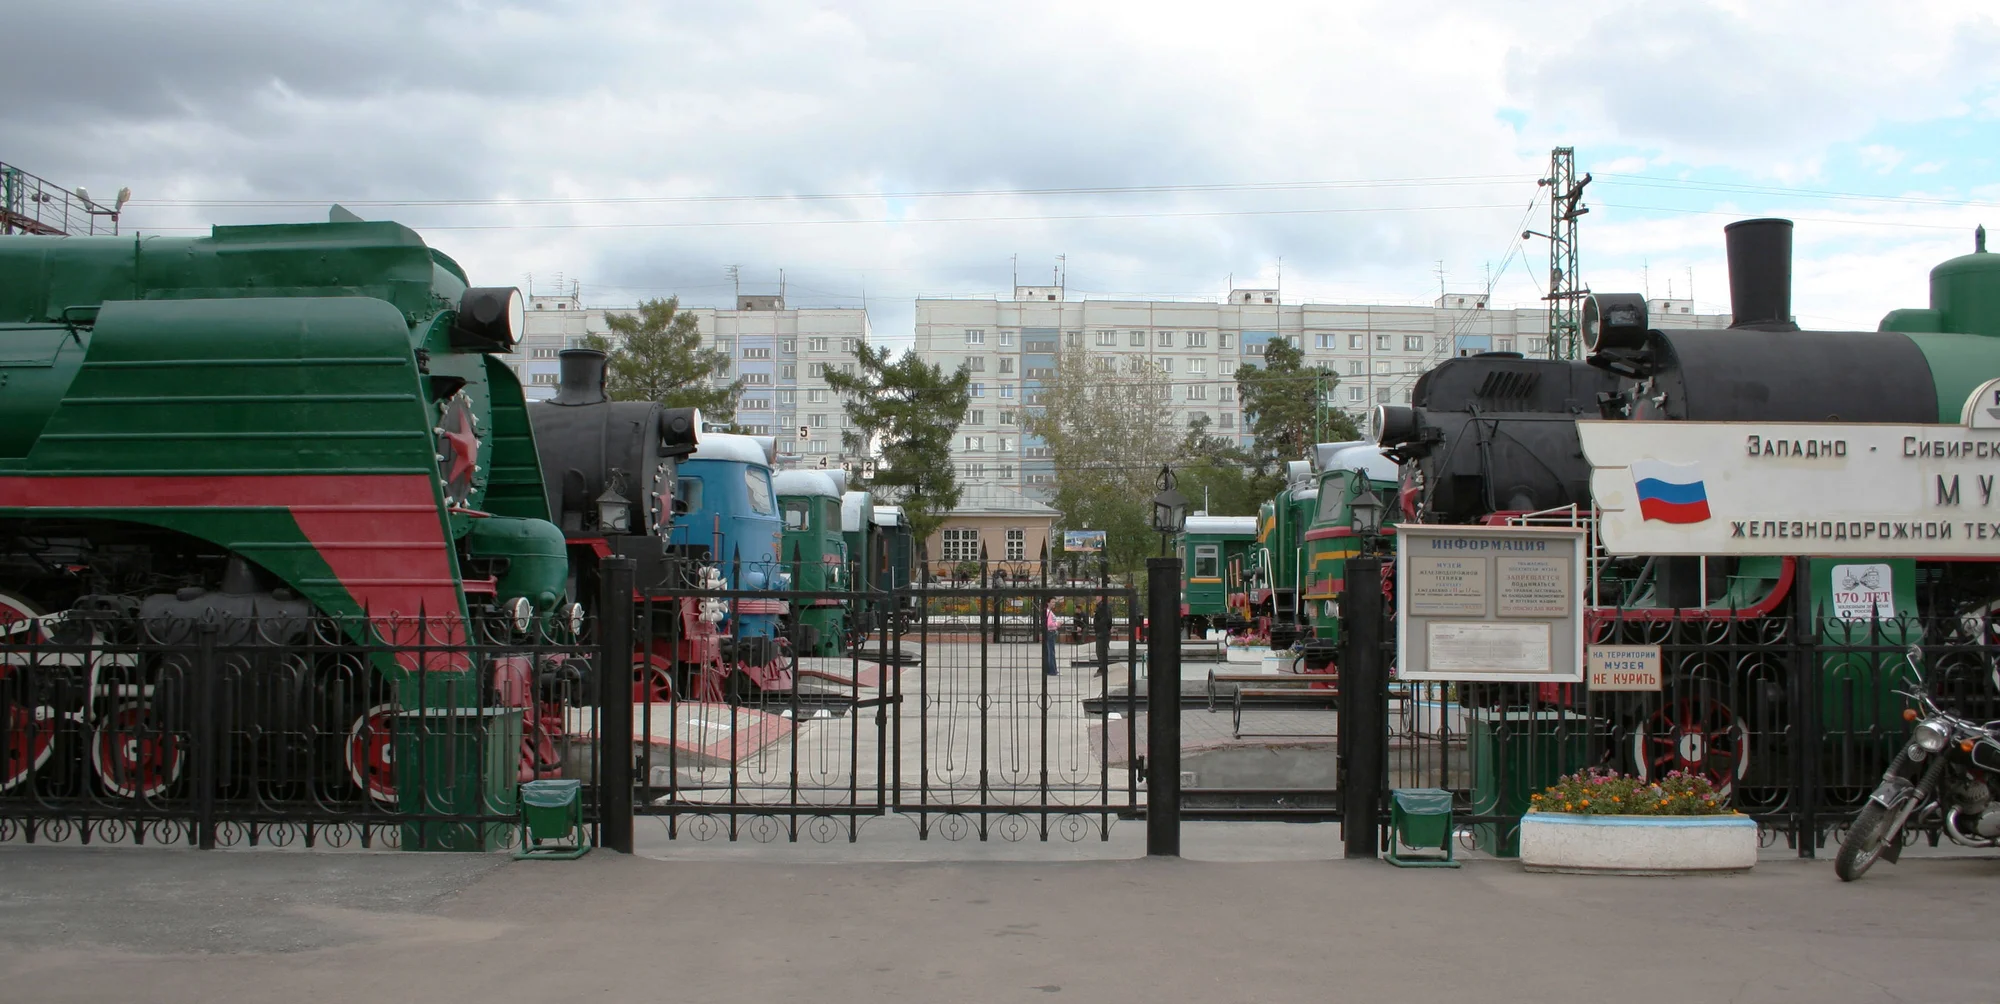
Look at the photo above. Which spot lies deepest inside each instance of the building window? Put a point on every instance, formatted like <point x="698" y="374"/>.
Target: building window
<point x="724" y="345"/>
<point x="816" y="369"/>
<point x="816" y="395"/>
<point x="1412" y="366"/>
<point x="1228" y="393"/>
<point x="1228" y="419"/>
<point x="546" y="353"/>
<point x="545" y="379"/>
<point x="756" y="430"/>
<point x="1503" y="345"/>
<point x="1006" y="338"/>
<point x="1167" y="366"/>
<point x="755" y="404"/>
<point x="1197" y="367"/>
<point x="788" y="397"/>
<point x="1006" y="390"/>
<point x="789" y="346"/>
<point x="788" y="371"/>
<point x="1225" y="340"/>
<point x="961" y="543"/>
<point x="975" y="442"/>
<point x="978" y="390"/>
<point x="1197" y="339"/>
<point x="816" y="446"/>
<point x="1163" y="339"/>
<point x="976" y="364"/>
<point x="722" y="370"/>
<point x="757" y="353"/>
<point x="975" y="336"/>
<point x="1413" y="343"/>
<point x="1006" y="444"/>
<point x="816" y="344"/>
<point x="1041" y="479"/>
<point x="1138" y="339"/>
<point x="1006" y="416"/>
<point x="1356" y="367"/>
<point x="847" y="345"/>
<point x="1381" y="395"/>
<point x="1326" y="341"/>
<point x="1073" y="339"/>
<point x="1382" y="343"/>
<point x="1357" y="342"/>
<point x="817" y="420"/>
<point x="975" y="471"/>
<point x="976" y="416"/>
<point x="1032" y="397"/>
<point x="1036" y="452"/>
<point x="1197" y="392"/>
<point x="1017" y="545"/>
<point x="1107" y="337"/>
<point x="1006" y="364"/>
<point x="757" y="378"/>
<point x="1537" y="346"/>
<point x="1253" y="350"/>
<point x="1356" y="394"/>
<point x="1195" y="417"/>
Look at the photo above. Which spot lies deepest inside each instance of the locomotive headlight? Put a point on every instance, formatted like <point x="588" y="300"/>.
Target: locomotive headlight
<point x="574" y="618"/>
<point x="521" y="614"/>
<point x="1931" y="736"/>
<point x="1614" y="321"/>
<point x="491" y="318"/>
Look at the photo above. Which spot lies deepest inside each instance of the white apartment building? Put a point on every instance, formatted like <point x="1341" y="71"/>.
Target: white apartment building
<point x="1011" y="348"/>
<point x="782" y="353"/>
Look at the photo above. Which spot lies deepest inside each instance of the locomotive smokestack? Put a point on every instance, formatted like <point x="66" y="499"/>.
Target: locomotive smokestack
<point x="1760" y="274"/>
<point x="582" y="380"/>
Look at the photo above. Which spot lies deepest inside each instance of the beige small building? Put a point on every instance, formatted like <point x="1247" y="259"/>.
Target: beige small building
<point x="1008" y="525"/>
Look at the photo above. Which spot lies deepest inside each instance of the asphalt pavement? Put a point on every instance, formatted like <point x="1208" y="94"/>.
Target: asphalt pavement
<point x="170" y="925"/>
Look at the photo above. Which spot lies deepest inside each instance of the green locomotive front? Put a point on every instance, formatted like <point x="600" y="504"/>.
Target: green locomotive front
<point x="816" y="549"/>
<point x="1346" y="470"/>
<point x="277" y="427"/>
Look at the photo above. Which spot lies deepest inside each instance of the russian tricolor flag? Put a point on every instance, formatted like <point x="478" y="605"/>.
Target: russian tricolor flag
<point x="1670" y="493"/>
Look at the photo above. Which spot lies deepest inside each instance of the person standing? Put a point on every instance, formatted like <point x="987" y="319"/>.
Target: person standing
<point x="1050" y="626"/>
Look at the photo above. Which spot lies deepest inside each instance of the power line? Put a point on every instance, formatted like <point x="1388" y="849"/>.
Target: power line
<point x="1270" y="186"/>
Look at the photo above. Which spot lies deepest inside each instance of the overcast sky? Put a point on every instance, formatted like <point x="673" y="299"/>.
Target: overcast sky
<point x="640" y="148"/>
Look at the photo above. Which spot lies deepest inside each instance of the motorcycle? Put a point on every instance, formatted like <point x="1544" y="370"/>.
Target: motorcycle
<point x="1941" y="776"/>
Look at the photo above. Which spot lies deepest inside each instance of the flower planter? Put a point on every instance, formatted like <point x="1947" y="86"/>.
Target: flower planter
<point x="1637" y="845"/>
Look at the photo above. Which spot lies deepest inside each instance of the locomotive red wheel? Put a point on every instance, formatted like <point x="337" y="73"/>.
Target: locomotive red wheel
<point x="132" y="755"/>
<point x="653" y="679"/>
<point x="371" y="754"/>
<point x="27" y="732"/>
<point x="1697" y="735"/>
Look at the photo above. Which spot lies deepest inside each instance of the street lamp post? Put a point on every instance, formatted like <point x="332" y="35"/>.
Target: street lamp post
<point x="1364" y="710"/>
<point x="1169" y="509"/>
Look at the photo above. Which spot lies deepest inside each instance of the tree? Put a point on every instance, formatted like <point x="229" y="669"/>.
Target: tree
<point x="659" y="358"/>
<point x="1281" y="405"/>
<point x="911" y="409"/>
<point x="1107" y="438"/>
<point x="1220" y="476"/>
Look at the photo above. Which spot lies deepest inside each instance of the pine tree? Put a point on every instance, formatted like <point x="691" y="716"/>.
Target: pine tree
<point x="909" y="409"/>
<point x="659" y="357"/>
<point x="1281" y="405"/>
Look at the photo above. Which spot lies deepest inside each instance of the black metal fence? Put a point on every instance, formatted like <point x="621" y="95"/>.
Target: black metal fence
<point x="283" y="727"/>
<point x="956" y="710"/>
<point x="1793" y="727"/>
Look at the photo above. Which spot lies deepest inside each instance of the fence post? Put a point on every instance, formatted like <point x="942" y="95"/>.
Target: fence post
<point x="204" y="734"/>
<point x="1363" y="713"/>
<point x="614" y="704"/>
<point x="1805" y="707"/>
<point x="1163" y="707"/>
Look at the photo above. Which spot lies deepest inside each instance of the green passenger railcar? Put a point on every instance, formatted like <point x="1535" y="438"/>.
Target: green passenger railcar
<point x="815" y="547"/>
<point x="1210" y="547"/>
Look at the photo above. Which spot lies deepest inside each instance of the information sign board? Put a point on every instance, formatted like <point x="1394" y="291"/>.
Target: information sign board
<point x="1489" y="603"/>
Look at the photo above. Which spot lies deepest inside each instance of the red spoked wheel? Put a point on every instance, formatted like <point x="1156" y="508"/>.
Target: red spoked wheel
<point x="371" y="753"/>
<point x="27" y="730"/>
<point x="132" y="755"/>
<point x="1697" y="735"/>
<point x="653" y="679"/>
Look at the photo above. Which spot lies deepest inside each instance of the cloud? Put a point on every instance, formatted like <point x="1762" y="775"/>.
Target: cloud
<point x="220" y="111"/>
<point x="1880" y="158"/>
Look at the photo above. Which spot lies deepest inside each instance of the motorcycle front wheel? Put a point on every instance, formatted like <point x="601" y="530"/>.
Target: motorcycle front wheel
<point x="1865" y="842"/>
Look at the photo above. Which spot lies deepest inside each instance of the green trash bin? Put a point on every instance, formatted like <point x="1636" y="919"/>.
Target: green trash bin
<point x="458" y="762"/>
<point x="1420" y="822"/>
<point x="1516" y="754"/>
<point x="552" y="812"/>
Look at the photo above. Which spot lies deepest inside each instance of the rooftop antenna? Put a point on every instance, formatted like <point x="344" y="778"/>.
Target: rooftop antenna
<point x="1017" y="269"/>
<point x="781" y="284"/>
<point x="735" y="274"/>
